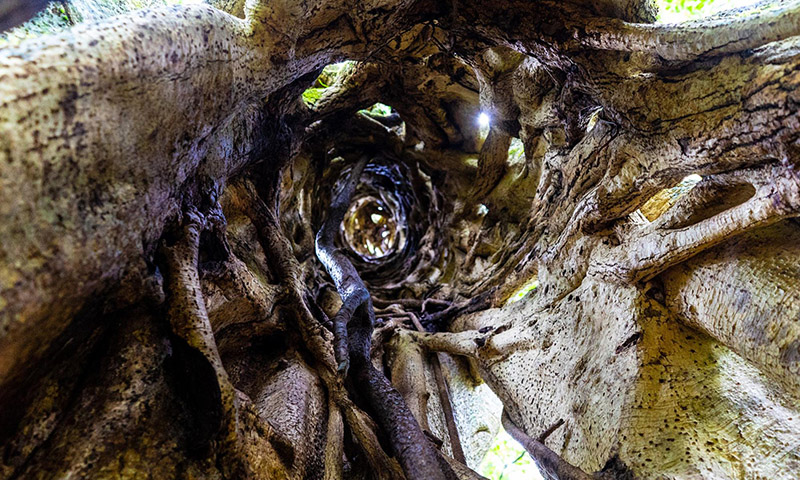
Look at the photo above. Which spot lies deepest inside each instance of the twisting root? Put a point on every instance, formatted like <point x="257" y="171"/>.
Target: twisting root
<point x="334" y="450"/>
<point x="347" y="280"/>
<point x="316" y="338"/>
<point x="416" y="453"/>
<point x="549" y="462"/>
<point x="474" y="304"/>
<point x="364" y="430"/>
<point x="189" y="320"/>
<point x="411" y="303"/>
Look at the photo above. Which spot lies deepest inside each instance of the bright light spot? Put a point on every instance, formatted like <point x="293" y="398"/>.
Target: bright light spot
<point x="516" y="151"/>
<point x="375" y="218"/>
<point x="528" y="287"/>
<point x="483" y="120"/>
<point x="482" y="209"/>
<point x="508" y="460"/>
<point x="595" y="116"/>
<point x="693" y="178"/>
<point x="381" y="109"/>
<point x="663" y="200"/>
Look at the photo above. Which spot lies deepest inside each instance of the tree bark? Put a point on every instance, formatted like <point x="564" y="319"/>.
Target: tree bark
<point x="162" y="182"/>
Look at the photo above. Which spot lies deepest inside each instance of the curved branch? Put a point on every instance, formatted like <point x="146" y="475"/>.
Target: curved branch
<point x="666" y="242"/>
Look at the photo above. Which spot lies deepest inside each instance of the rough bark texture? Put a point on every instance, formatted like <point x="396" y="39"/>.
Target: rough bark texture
<point x="166" y="311"/>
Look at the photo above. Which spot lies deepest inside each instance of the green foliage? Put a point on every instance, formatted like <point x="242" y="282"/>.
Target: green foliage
<point x="523" y="291"/>
<point x="673" y="11"/>
<point x="516" y="151"/>
<point x="328" y="78"/>
<point x="677" y="10"/>
<point x="507" y="460"/>
<point x="331" y="73"/>
<point x="379" y="109"/>
<point x="483" y="132"/>
<point x="311" y="95"/>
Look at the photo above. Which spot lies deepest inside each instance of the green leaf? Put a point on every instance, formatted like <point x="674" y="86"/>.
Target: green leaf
<point x="312" y="95"/>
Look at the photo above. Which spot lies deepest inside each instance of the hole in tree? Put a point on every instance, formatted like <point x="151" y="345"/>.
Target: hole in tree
<point x="372" y="230"/>
<point x="329" y="77"/>
<point x="659" y="203"/>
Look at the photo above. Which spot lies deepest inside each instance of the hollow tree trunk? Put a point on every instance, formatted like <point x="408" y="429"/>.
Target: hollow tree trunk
<point x="163" y="312"/>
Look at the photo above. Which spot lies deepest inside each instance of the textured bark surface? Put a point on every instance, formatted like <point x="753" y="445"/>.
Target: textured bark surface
<point x="164" y="309"/>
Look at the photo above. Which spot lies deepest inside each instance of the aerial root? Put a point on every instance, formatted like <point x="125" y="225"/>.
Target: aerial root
<point x="316" y="338"/>
<point x="432" y="311"/>
<point x="469" y="343"/>
<point x="353" y="328"/>
<point x="334" y="449"/>
<point x="676" y="237"/>
<point x="477" y="303"/>
<point x="407" y="303"/>
<point x="417" y="455"/>
<point x="348" y="282"/>
<point x="188" y="318"/>
<point x="444" y="399"/>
